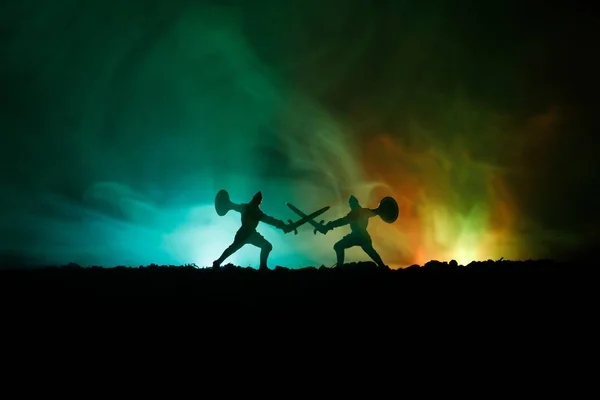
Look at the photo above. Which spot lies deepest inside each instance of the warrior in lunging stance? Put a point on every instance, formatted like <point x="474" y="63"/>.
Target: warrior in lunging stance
<point x="247" y="234"/>
<point x="358" y="219"/>
<point x="251" y="216"/>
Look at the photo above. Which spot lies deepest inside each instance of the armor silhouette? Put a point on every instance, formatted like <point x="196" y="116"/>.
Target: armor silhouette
<point x="358" y="219"/>
<point x="251" y="215"/>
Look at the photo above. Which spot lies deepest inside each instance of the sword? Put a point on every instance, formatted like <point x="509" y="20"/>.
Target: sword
<point x="318" y="226"/>
<point x="305" y="218"/>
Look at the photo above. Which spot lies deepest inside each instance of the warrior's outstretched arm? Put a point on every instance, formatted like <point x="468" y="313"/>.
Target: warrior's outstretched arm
<point x="347" y="219"/>
<point x="371" y="213"/>
<point x="238" y="207"/>
<point x="341" y="221"/>
<point x="277" y="223"/>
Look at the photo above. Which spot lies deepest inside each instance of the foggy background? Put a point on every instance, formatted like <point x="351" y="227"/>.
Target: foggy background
<point x="121" y="121"/>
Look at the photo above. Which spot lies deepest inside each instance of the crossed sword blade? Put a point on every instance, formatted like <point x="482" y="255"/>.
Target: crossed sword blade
<point x="319" y="227"/>
<point x="305" y="218"/>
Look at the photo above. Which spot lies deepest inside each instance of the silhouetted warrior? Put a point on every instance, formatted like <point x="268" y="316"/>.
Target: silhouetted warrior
<point x="358" y="219"/>
<point x="247" y="234"/>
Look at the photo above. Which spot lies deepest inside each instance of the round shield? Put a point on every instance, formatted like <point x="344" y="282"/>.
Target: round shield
<point x="388" y="210"/>
<point x="222" y="202"/>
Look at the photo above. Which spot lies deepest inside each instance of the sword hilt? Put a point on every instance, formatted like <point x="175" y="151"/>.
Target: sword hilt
<point x="320" y="230"/>
<point x="291" y="222"/>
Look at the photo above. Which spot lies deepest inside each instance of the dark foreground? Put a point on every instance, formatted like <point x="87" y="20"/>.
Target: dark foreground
<point x="437" y="299"/>
<point x="357" y="282"/>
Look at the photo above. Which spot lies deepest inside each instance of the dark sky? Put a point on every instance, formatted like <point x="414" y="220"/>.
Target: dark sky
<point x="121" y="121"/>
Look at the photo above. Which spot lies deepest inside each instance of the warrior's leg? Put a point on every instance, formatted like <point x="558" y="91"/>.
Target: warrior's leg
<point x="265" y="246"/>
<point x="235" y="246"/>
<point x="371" y="252"/>
<point x="340" y="247"/>
<point x="239" y="241"/>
